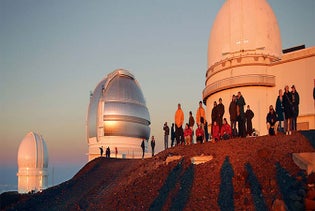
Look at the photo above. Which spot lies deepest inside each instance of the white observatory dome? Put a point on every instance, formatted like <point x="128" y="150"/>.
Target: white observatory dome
<point x="244" y="26"/>
<point x="32" y="163"/>
<point x="117" y="115"/>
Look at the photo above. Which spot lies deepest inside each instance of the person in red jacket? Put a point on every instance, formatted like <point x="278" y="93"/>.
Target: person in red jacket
<point x="200" y="134"/>
<point x="226" y="130"/>
<point x="215" y="132"/>
<point x="187" y="134"/>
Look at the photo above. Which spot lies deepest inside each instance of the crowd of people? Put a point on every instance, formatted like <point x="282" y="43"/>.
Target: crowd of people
<point x="220" y="128"/>
<point x="281" y="119"/>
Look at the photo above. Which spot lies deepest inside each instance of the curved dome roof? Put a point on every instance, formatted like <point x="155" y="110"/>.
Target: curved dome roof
<point x="244" y="26"/>
<point x="32" y="152"/>
<point x="120" y="105"/>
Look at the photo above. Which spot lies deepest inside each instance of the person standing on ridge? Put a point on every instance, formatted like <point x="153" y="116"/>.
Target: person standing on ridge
<point x="280" y="110"/>
<point x="179" y="120"/>
<point x="200" y="114"/>
<point x="220" y="112"/>
<point x="241" y="115"/>
<point x="173" y="135"/>
<point x="214" y="115"/>
<point x="152" y="145"/>
<point x="191" y="124"/>
<point x="166" y="134"/>
<point x="101" y="151"/>
<point x="233" y="115"/>
<point x="287" y="105"/>
<point x="295" y="107"/>
<point x="249" y="115"/>
<point x="142" y="146"/>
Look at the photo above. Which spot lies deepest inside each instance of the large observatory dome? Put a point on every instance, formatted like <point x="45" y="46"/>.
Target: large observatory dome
<point x="32" y="164"/>
<point x="244" y="26"/>
<point x="117" y="114"/>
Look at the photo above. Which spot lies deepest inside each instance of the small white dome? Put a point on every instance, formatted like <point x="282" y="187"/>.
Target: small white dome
<point x="244" y="26"/>
<point x="32" y="152"/>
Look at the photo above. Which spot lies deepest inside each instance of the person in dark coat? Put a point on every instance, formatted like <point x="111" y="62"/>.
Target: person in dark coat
<point x="191" y="124"/>
<point x="108" y="152"/>
<point x="295" y="107"/>
<point x="166" y="134"/>
<point x="272" y="121"/>
<point x="173" y="135"/>
<point x="249" y="115"/>
<point x="143" y="147"/>
<point x="287" y="105"/>
<point x="152" y="145"/>
<point x="214" y="114"/>
<point x="241" y="115"/>
<point x="220" y="111"/>
<point x="280" y="110"/>
<point x="206" y="132"/>
<point x="101" y="151"/>
<point x="233" y="115"/>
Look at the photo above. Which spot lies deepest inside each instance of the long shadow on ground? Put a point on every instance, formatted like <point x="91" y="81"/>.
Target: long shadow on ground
<point x="186" y="181"/>
<point x="255" y="189"/>
<point x="226" y="199"/>
<point x="169" y="185"/>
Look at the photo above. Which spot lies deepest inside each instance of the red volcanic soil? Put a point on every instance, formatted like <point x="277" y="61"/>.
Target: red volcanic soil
<point x="244" y="174"/>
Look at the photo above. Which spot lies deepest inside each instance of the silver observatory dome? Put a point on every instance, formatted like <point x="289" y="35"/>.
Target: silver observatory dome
<point x="117" y="116"/>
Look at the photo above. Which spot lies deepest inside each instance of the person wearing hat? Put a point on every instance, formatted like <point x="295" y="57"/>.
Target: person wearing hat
<point x="295" y="107"/>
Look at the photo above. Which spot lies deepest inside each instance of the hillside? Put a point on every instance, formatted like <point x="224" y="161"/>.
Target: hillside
<point x="244" y="174"/>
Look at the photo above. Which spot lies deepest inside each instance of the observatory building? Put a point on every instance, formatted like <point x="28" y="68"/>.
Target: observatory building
<point x="117" y="116"/>
<point x="245" y="54"/>
<point x="32" y="164"/>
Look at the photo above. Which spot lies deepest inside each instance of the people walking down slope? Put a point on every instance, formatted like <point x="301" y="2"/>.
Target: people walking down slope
<point x="179" y="120"/>
<point x="249" y="115"/>
<point x="280" y="111"/>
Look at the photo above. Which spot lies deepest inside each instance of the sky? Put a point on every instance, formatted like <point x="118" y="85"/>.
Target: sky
<point x="53" y="53"/>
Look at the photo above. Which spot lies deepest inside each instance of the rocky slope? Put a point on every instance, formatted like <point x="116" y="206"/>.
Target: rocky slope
<point x="255" y="173"/>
